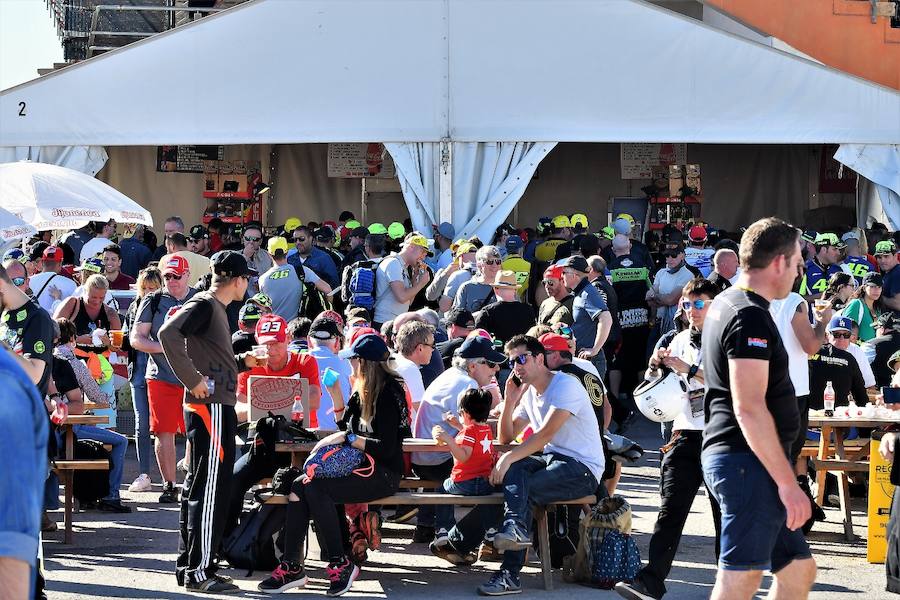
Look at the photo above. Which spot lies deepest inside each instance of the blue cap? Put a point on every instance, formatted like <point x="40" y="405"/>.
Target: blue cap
<point x="840" y="323"/>
<point x="621" y="226"/>
<point x="477" y="346"/>
<point x="369" y="347"/>
<point x="14" y="254"/>
<point x="514" y="243"/>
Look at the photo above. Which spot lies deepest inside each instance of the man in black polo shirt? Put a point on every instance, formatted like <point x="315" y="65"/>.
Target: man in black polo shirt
<point x="752" y="418"/>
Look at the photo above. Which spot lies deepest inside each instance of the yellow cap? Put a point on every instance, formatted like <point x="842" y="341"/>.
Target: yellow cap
<point x="291" y="224"/>
<point x="463" y="248"/>
<point x="579" y="220"/>
<point x="627" y="217"/>
<point x="420" y="241"/>
<point x="278" y="243"/>
<point x="561" y="221"/>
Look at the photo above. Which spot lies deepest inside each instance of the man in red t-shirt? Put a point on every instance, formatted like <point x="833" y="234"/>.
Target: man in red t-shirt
<point x="271" y="330"/>
<point x="473" y="457"/>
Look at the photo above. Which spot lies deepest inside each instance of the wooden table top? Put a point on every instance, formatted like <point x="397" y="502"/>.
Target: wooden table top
<point x="409" y="445"/>
<point x="86" y="420"/>
<point x="820" y="421"/>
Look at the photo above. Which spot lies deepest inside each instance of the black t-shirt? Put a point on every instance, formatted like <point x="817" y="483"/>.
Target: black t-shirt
<point x="29" y="330"/>
<point x="630" y="276"/>
<point x="594" y="387"/>
<point x="64" y="376"/>
<point x="448" y="348"/>
<point x="884" y="346"/>
<point x="739" y="326"/>
<point x="612" y="302"/>
<point x="841" y="369"/>
<point x="719" y="281"/>
<point x="504" y="320"/>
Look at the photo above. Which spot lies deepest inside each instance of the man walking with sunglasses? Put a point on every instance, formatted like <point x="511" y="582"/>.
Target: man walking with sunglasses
<point x="257" y="259"/>
<point x="834" y="363"/>
<point x="667" y="286"/>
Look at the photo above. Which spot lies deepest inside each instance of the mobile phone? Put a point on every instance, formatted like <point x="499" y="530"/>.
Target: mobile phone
<point x="518" y="381"/>
<point x="891" y="395"/>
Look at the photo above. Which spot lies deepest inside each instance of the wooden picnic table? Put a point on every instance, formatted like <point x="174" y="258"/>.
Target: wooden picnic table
<point x="67" y="467"/>
<point x="298" y="450"/>
<point x="834" y="457"/>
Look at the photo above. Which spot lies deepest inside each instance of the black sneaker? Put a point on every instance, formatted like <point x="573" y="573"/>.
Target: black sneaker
<point x="512" y="537"/>
<point x="169" y="494"/>
<point x="213" y="585"/>
<point x="501" y="584"/>
<point x="285" y="576"/>
<point x="634" y="591"/>
<point x="342" y="575"/>
<point x="113" y="506"/>
<point x="423" y="534"/>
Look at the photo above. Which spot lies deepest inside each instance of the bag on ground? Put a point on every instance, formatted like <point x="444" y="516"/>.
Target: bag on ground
<point x="90" y="485"/>
<point x="252" y="544"/>
<point x="607" y="554"/>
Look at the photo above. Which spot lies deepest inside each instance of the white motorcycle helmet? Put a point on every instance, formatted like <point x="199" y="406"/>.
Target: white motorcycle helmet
<point x="661" y="399"/>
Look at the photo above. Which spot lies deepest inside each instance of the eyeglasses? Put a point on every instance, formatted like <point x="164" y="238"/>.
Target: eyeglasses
<point x="431" y="345"/>
<point x="170" y="277"/>
<point x="520" y="359"/>
<point x="841" y="335"/>
<point x="698" y="304"/>
<point x="492" y="261"/>
<point x="299" y="239"/>
<point x="248" y="238"/>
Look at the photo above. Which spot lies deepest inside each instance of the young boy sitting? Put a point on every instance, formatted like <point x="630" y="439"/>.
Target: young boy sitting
<point x="473" y="456"/>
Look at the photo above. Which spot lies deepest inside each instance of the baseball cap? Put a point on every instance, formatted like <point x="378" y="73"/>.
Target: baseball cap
<point x="553" y="342"/>
<point x="360" y="232"/>
<point x="345" y="216"/>
<point x="291" y="224"/>
<point x="477" y="346"/>
<point x="417" y="239"/>
<point x="249" y="314"/>
<point x="622" y="226"/>
<point x="52" y="254"/>
<point x="850" y="235"/>
<point x="894" y="358"/>
<point x="95" y="265"/>
<point x="561" y="221"/>
<point x="230" y="264"/>
<point x="809" y="235"/>
<point x="885" y="247"/>
<point x="378" y="228"/>
<point x="369" y="346"/>
<point x="608" y="232"/>
<point x="578" y="263"/>
<point x="828" y="239"/>
<point x="553" y="272"/>
<point x="14" y="254"/>
<point x="261" y="299"/>
<point x="839" y="323"/>
<point x="873" y="278"/>
<point x="277" y="245"/>
<point x="198" y="232"/>
<point x="542" y="224"/>
<point x="271" y="328"/>
<point x="676" y="247"/>
<point x="627" y="217"/>
<point x="352" y="224"/>
<point x="324" y="329"/>
<point x="36" y="250"/>
<point x="460" y="317"/>
<point x="446" y="230"/>
<point x="579" y="221"/>
<point x="697" y="233"/>
<point x="514" y="243"/>
<point x="177" y="265"/>
<point x="396" y="230"/>
<point x="463" y="248"/>
<point x="324" y="233"/>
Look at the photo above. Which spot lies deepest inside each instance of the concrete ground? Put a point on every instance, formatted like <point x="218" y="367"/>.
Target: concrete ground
<point x="133" y="555"/>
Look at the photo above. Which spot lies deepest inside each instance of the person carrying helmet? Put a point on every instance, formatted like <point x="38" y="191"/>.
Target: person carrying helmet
<point x="681" y="472"/>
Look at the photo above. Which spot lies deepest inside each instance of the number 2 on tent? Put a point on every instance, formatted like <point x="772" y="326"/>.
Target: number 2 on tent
<point x="22" y="109"/>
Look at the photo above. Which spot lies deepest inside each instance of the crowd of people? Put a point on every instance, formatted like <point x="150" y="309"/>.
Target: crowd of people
<point x="537" y="336"/>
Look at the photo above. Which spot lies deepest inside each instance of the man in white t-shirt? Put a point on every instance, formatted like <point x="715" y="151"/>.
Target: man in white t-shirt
<point x="49" y="286"/>
<point x="95" y="246"/>
<point x="697" y="254"/>
<point x="567" y="463"/>
<point x="395" y="289"/>
<point x="414" y="342"/>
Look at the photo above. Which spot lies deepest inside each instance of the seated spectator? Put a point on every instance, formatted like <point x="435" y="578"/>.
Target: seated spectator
<point x="243" y="339"/>
<point x="414" y="343"/>
<point x="112" y="264"/>
<point x="460" y="324"/>
<point x="447" y="281"/>
<point x="325" y="339"/>
<point x="835" y="364"/>
<point x="840" y="288"/>
<point x="507" y="317"/>
<point x="478" y="292"/>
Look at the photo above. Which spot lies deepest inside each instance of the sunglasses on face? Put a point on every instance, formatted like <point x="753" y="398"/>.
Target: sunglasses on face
<point x="840" y="335"/>
<point x="299" y="239"/>
<point x="688" y="304"/>
<point x="492" y="261"/>
<point x="670" y="254"/>
<point x="248" y="238"/>
<point x="549" y="281"/>
<point x="520" y="359"/>
<point x="18" y="281"/>
<point x="170" y="277"/>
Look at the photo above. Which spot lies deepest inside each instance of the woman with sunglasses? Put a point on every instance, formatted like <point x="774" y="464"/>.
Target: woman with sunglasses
<point x="841" y="287"/>
<point x="865" y="305"/>
<point x="478" y="292"/>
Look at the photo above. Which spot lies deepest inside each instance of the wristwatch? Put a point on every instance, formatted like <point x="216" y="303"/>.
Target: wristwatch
<point x="351" y="437"/>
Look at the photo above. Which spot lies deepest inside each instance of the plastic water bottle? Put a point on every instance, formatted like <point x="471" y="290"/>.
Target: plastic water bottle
<point x="829" y="400"/>
<point x="297" y="412"/>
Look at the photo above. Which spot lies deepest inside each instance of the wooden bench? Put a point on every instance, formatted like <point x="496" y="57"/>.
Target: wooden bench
<point x="81" y="465"/>
<point x="431" y="498"/>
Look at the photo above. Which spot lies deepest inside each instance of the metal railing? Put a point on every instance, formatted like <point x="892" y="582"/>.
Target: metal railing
<point x="129" y="36"/>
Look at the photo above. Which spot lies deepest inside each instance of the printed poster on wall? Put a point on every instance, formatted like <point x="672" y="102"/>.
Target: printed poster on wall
<point x="638" y="160"/>
<point x="186" y="159"/>
<point x="360" y="160"/>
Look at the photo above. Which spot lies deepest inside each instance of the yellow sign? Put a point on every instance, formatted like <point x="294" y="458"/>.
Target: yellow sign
<point x="880" y="493"/>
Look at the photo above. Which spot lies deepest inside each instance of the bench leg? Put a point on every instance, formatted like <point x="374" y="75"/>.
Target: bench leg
<point x="68" y="483"/>
<point x="543" y="533"/>
<point x="844" y="496"/>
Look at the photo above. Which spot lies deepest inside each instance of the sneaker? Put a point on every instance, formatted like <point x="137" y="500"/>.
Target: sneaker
<point x="169" y="494"/>
<point x="451" y="555"/>
<point x="213" y="585"/>
<point x="423" y="534"/>
<point x="141" y="484"/>
<point x="501" y="584"/>
<point x="48" y="525"/>
<point x="359" y="547"/>
<point x="634" y="591"/>
<point x="512" y="537"/>
<point x="402" y="514"/>
<point x="370" y="525"/>
<point x="441" y="537"/>
<point x="342" y="575"/>
<point x="113" y="506"/>
<point x="285" y="576"/>
<point x="488" y="553"/>
<point x="182" y="466"/>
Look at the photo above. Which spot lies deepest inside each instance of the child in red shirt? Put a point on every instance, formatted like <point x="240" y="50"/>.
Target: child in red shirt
<point x="473" y="456"/>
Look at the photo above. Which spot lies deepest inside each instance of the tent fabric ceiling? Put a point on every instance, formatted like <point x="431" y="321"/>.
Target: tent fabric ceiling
<point x="421" y="71"/>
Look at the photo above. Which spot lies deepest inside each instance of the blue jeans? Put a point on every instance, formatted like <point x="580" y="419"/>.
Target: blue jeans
<point x="141" y="404"/>
<point x="532" y="481"/>
<point x="599" y="362"/>
<point x="478" y="486"/>
<point x="119" y="446"/>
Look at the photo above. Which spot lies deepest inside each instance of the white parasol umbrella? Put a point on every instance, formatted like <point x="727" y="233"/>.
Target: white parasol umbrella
<point x="13" y="228"/>
<point x="51" y="197"/>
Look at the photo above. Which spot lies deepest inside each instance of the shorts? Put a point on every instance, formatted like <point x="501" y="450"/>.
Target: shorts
<point x="755" y="536"/>
<point x="166" y="408"/>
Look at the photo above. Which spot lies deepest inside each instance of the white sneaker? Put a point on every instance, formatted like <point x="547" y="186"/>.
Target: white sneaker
<point x="141" y="484"/>
<point x="182" y="465"/>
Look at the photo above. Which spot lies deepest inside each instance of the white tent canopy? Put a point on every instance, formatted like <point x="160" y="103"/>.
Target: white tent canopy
<point x="296" y="71"/>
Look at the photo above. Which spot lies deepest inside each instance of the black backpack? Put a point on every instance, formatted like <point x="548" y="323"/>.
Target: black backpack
<point x="256" y="541"/>
<point x="562" y="524"/>
<point x="312" y="302"/>
<point x="90" y="485"/>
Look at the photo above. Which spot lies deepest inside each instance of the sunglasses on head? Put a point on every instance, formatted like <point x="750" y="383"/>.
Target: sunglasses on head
<point x="564" y="331"/>
<point x="688" y="304"/>
<point x="250" y="238"/>
<point x="520" y="359"/>
<point x="170" y="277"/>
<point x="841" y="335"/>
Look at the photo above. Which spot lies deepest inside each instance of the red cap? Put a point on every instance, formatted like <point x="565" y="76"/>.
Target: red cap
<point x="697" y="233"/>
<point x="271" y="328"/>
<point x="553" y="272"/>
<point x="553" y="342"/>
<point x="358" y="332"/>
<point x="53" y="254"/>
<point x="177" y="265"/>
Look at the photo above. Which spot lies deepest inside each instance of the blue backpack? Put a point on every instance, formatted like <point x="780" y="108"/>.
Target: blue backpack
<point x="362" y="285"/>
<point x="615" y="558"/>
<point x="338" y="460"/>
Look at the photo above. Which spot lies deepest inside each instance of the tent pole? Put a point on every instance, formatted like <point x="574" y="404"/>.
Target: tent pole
<point x="446" y="182"/>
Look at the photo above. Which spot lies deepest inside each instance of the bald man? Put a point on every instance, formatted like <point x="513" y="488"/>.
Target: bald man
<point x="725" y="268"/>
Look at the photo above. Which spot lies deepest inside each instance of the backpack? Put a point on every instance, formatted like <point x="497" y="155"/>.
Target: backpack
<point x="562" y="524"/>
<point x="338" y="460"/>
<point x="93" y="484"/>
<point x="607" y="554"/>
<point x="312" y="302"/>
<point x="252" y="544"/>
<point x="361" y="287"/>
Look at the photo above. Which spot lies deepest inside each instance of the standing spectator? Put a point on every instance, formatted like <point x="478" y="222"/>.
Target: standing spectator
<point x="667" y="285"/>
<point x="77" y="238"/>
<point x="839" y="289"/>
<point x="244" y="338"/>
<point x="447" y="281"/>
<point x="315" y="258"/>
<point x="19" y="274"/>
<point x="752" y="420"/>
<point x="882" y="347"/>
<point x="855" y="260"/>
<point x="518" y="265"/>
<point x="257" y="258"/>
<point x="559" y="232"/>
<point x="357" y="239"/>
<point x="94" y="247"/>
<point x="886" y="257"/>
<point x="164" y="390"/>
<point x="198" y="241"/>
<point x="282" y="283"/>
<point x="176" y="244"/>
<point x="597" y="277"/>
<point x="478" y="292"/>
<point x="216" y="228"/>
<point x="557" y="307"/>
<point x="399" y="278"/>
<point x="697" y="254"/>
<point x="112" y="262"/>
<point x="27" y="330"/>
<point x="325" y="339"/>
<point x="443" y="239"/>
<point x="50" y="287"/>
<point x="725" y="268"/>
<point x="196" y="343"/>
<point x="591" y="320"/>
<point x="171" y="226"/>
<point x="865" y="305"/>
<point x="135" y="253"/>
<point x="824" y="264"/>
